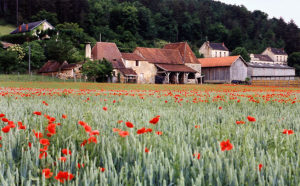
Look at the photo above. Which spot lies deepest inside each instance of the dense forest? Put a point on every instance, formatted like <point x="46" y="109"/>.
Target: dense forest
<point x="147" y="22"/>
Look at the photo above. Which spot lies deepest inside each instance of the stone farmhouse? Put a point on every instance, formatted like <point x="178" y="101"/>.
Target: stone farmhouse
<point x="175" y="63"/>
<point x="33" y="27"/>
<point x="209" y="49"/>
<point x="270" y="56"/>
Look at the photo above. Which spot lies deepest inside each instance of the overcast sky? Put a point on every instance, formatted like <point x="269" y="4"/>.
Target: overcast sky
<point x="288" y="9"/>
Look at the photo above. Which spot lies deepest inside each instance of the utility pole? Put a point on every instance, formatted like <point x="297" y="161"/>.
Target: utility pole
<point x="29" y="53"/>
<point x="17" y="12"/>
<point x="100" y="37"/>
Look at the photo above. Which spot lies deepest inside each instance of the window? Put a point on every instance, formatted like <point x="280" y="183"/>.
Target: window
<point x="216" y="54"/>
<point x="277" y="58"/>
<point x="220" y="54"/>
<point x="137" y="63"/>
<point x="224" y="54"/>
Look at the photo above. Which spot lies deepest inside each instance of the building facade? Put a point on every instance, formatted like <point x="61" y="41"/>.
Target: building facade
<point x="209" y="49"/>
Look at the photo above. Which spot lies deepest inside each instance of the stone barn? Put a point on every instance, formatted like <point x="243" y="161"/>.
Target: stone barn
<point x="260" y="71"/>
<point x="223" y="69"/>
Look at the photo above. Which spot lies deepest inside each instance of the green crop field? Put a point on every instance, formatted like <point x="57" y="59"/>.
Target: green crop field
<point x="118" y="134"/>
<point x="6" y="29"/>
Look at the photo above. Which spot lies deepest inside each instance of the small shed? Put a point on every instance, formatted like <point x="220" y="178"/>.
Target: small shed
<point x="223" y="69"/>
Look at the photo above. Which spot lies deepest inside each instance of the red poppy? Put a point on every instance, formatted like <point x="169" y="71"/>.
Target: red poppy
<point x="64" y="176"/>
<point x="5" y="120"/>
<point x="123" y="133"/>
<point x="159" y="133"/>
<point x="82" y="123"/>
<point x="6" y="129"/>
<point x="251" y="119"/>
<point x="102" y="169"/>
<point x="129" y="124"/>
<point x="87" y="128"/>
<point x="44" y="149"/>
<point x="120" y="121"/>
<point x="104" y="108"/>
<point x="226" y="145"/>
<point x="288" y="132"/>
<point x="220" y="108"/>
<point x="94" y="133"/>
<point x="0" y="137"/>
<point x="29" y="144"/>
<point x="154" y="120"/>
<point x="197" y="155"/>
<point x="64" y="116"/>
<point x="44" y="141"/>
<point x="47" y="173"/>
<point x="83" y="143"/>
<point x="239" y="122"/>
<point x="80" y="165"/>
<point x="52" y="128"/>
<point x="38" y="135"/>
<point x="63" y="159"/>
<point x="43" y="154"/>
<point x="146" y="150"/>
<point x="37" y="113"/>
<point x="2" y="115"/>
<point x="116" y="130"/>
<point x="66" y="151"/>
<point x="92" y="139"/>
<point x="141" y="131"/>
<point x="197" y="126"/>
<point x="148" y="130"/>
<point x="260" y="166"/>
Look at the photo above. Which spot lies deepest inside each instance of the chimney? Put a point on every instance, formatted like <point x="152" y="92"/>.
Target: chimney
<point x="88" y="50"/>
<point x="20" y="28"/>
<point x="223" y="44"/>
<point x="26" y="27"/>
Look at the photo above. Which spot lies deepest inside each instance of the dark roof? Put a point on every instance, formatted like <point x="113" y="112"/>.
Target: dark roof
<point x="161" y="56"/>
<point x="263" y="57"/>
<point x="218" y="61"/>
<point x="185" y="51"/>
<point x="6" y="45"/>
<point x="278" y="51"/>
<point x="31" y="26"/>
<point x="132" y="56"/>
<point x="127" y="71"/>
<point x="69" y="66"/>
<point x="262" y="65"/>
<point x="218" y="46"/>
<point x="175" y="68"/>
<point x="50" y="66"/>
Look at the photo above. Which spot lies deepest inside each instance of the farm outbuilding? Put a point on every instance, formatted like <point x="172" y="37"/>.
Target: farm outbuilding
<point x="223" y="69"/>
<point x="270" y="71"/>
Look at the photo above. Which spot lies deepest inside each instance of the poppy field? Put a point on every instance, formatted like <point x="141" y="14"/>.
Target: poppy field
<point x="116" y="134"/>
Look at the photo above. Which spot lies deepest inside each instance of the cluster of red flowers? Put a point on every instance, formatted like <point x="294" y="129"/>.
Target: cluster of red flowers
<point x="92" y="133"/>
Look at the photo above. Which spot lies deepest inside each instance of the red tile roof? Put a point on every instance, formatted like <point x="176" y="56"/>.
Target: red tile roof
<point x="160" y="56"/>
<point x="132" y="56"/>
<point x="128" y="72"/>
<point x="6" y="45"/>
<point x="185" y="51"/>
<point x="50" y="66"/>
<point x="218" y="61"/>
<point x="174" y="68"/>
<point x="106" y="50"/>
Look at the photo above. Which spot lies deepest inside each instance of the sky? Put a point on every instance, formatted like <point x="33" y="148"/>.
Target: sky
<point x="288" y="9"/>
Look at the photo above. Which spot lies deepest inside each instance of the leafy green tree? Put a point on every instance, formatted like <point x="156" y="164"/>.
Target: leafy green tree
<point x="294" y="61"/>
<point x="37" y="54"/>
<point x="9" y="61"/>
<point x="97" y="70"/>
<point x="217" y="32"/>
<point x="242" y="52"/>
<point x="44" y="15"/>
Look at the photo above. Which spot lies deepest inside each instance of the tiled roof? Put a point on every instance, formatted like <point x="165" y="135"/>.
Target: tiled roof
<point x="161" y="56"/>
<point x="218" y="61"/>
<point x="117" y="64"/>
<point x="132" y="56"/>
<point x="185" y="51"/>
<point x="69" y="66"/>
<point x="31" y="26"/>
<point x="128" y="72"/>
<point x="175" y="68"/>
<point x="278" y="51"/>
<point x="218" y="46"/>
<point x="262" y="57"/>
<point x="50" y="66"/>
<point x="263" y="65"/>
<point x="6" y="45"/>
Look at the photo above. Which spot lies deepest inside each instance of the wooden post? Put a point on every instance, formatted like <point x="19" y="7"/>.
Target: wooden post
<point x="176" y="80"/>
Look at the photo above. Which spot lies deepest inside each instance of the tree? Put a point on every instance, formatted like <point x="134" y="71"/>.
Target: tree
<point x="44" y="15"/>
<point x="97" y="70"/>
<point x="242" y="52"/>
<point x="9" y="61"/>
<point x="294" y="61"/>
<point x="37" y="56"/>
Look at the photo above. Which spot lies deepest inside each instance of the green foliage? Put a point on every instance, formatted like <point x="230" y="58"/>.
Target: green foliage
<point x="294" y="61"/>
<point x="37" y="57"/>
<point x="8" y="61"/>
<point x="97" y="70"/>
<point x="44" y="15"/>
<point x="18" y="38"/>
<point x="242" y="52"/>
